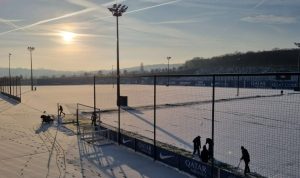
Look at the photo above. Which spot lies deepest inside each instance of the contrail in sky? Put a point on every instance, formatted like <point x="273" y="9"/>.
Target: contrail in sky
<point x="150" y="7"/>
<point x="50" y="20"/>
<point x="81" y="12"/>
<point x="9" y="22"/>
<point x="259" y="4"/>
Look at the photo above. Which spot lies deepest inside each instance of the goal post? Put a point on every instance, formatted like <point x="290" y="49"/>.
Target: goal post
<point x="84" y="114"/>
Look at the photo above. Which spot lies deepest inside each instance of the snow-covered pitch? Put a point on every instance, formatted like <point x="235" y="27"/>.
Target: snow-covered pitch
<point x="262" y="120"/>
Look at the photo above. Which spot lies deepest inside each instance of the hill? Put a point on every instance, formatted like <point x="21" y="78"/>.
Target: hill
<point x="277" y="60"/>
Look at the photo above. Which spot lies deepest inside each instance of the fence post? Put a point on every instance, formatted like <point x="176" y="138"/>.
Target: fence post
<point x="238" y="86"/>
<point x="58" y="116"/>
<point x="16" y="86"/>
<point x="99" y="110"/>
<point x="20" y="85"/>
<point x="94" y="94"/>
<point x="154" y="117"/>
<point x="77" y="120"/>
<point x="213" y="125"/>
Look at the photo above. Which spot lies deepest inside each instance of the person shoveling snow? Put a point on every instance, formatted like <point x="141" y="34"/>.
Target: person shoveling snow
<point x="46" y="118"/>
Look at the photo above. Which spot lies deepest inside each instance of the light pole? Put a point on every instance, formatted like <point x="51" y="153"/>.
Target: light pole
<point x="30" y="49"/>
<point x="117" y="10"/>
<point x="298" y="85"/>
<point x="168" y="58"/>
<point x="9" y="54"/>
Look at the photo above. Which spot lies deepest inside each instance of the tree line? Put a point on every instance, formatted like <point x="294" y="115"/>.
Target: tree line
<point x="276" y="60"/>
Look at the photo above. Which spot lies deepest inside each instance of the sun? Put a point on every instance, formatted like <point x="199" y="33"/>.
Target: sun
<point x="67" y="36"/>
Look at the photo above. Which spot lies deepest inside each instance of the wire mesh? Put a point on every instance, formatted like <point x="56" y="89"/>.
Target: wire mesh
<point x="184" y="110"/>
<point x="137" y="112"/>
<point x="11" y="87"/>
<point x="85" y="113"/>
<point x="106" y="100"/>
<point x="261" y="114"/>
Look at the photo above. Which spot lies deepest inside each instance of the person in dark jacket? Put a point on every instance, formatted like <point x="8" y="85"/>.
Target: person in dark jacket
<point x="246" y="158"/>
<point x="61" y="110"/>
<point x="46" y="118"/>
<point x="210" y="147"/>
<point x="197" y="145"/>
<point x="94" y="118"/>
<point x="204" y="154"/>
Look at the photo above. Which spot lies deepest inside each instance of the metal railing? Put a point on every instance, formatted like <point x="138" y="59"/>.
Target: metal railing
<point x="11" y="87"/>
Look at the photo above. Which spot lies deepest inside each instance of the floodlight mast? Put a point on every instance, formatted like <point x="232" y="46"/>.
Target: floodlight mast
<point x="30" y="49"/>
<point x="298" y="85"/>
<point x="117" y="10"/>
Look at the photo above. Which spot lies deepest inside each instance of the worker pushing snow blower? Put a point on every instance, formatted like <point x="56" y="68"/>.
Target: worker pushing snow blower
<point x="46" y="118"/>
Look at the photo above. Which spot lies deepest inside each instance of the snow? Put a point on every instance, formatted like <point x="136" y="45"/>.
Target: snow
<point x="267" y="126"/>
<point x="29" y="149"/>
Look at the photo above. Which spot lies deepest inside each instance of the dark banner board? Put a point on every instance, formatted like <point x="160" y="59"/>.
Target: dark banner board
<point x="113" y="135"/>
<point x="128" y="141"/>
<point x="167" y="157"/>
<point x="188" y="165"/>
<point x="283" y="77"/>
<point x="123" y="101"/>
<point x="196" y="168"/>
<point x="226" y="174"/>
<point x="146" y="148"/>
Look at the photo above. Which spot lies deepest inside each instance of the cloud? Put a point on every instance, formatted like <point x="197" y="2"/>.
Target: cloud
<point x="176" y="22"/>
<point x="88" y="4"/>
<point x="270" y="19"/>
<point x="154" y="1"/>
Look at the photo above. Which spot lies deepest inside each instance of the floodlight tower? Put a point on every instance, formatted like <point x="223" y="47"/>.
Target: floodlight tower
<point x="30" y="49"/>
<point x="117" y="10"/>
<point x="9" y="54"/>
<point x="298" y="85"/>
<point x="168" y="58"/>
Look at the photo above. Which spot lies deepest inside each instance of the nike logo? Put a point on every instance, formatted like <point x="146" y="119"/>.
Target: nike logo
<point x="126" y="141"/>
<point x="161" y="156"/>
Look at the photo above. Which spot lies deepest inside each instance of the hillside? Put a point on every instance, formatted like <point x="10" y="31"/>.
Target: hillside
<point x="284" y="60"/>
<point x="277" y="60"/>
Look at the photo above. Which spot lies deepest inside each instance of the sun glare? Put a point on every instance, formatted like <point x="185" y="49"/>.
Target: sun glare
<point x="67" y="36"/>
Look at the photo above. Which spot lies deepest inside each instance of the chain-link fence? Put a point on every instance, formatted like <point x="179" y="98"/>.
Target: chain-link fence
<point x="161" y="115"/>
<point x="11" y="87"/>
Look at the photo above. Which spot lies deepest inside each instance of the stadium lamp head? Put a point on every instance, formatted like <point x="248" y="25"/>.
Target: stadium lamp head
<point x="297" y="44"/>
<point x="118" y="9"/>
<point x="30" y="48"/>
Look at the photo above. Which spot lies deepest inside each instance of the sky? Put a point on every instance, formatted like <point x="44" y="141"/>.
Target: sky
<point x="74" y="35"/>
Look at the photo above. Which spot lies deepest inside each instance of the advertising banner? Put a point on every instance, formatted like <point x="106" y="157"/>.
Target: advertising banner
<point x="128" y="141"/>
<point x="195" y="167"/>
<point x="167" y="157"/>
<point x="113" y="135"/>
<point x="146" y="148"/>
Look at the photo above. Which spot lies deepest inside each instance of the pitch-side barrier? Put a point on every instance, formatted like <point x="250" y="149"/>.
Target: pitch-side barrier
<point x="167" y="154"/>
